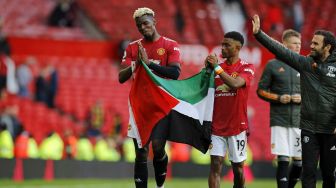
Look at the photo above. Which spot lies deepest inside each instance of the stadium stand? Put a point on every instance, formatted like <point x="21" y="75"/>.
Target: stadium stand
<point x="314" y="17"/>
<point x="201" y="19"/>
<point x="32" y="23"/>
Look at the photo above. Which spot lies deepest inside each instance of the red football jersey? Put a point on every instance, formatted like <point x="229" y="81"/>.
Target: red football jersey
<point x="230" y="108"/>
<point x="161" y="52"/>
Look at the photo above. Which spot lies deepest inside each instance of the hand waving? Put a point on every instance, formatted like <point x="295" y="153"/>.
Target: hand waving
<point x="256" y="24"/>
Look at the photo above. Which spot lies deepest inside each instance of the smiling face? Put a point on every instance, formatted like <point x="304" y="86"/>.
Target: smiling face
<point x="146" y="26"/>
<point x="317" y="47"/>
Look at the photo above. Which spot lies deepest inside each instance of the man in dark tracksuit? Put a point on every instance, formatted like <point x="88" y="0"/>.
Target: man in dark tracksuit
<point x="280" y="86"/>
<point x="318" y="107"/>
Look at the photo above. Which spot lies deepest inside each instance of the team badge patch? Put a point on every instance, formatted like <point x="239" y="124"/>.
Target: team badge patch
<point x="161" y="51"/>
<point x="234" y="74"/>
<point x="210" y="146"/>
<point x="129" y="127"/>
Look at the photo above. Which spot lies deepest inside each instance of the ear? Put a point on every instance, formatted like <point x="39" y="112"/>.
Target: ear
<point x="327" y="47"/>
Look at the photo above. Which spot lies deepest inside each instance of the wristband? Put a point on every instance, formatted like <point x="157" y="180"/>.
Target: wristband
<point x="218" y="70"/>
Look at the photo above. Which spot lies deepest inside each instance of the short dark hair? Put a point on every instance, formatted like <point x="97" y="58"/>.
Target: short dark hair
<point x="235" y="36"/>
<point x="290" y="33"/>
<point x="328" y="38"/>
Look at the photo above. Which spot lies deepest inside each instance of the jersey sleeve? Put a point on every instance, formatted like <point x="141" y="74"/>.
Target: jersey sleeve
<point x="127" y="57"/>
<point x="247" y="74"/>
<point x="174" y="55"/>
<point x="264" y="85"/>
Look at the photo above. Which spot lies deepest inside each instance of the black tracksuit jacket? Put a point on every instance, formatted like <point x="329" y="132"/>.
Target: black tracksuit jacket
<point x="277" y="79"/>
<point x="318" y="86"/>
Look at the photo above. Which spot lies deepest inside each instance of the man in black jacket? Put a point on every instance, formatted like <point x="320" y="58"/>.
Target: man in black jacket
<point x="318" y="107"/>
<point x="280" y="86"/>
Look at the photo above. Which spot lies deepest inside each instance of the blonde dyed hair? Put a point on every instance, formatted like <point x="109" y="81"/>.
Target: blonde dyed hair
<point x="143" y="11"/>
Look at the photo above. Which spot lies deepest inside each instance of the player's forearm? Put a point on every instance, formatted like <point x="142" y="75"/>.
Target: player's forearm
<point x="280" y="51"/>
<point x="172" y="72"/>
<point x="232" y="82"/>
<point x="268" y="96"/>
<point x="125" y="74"/>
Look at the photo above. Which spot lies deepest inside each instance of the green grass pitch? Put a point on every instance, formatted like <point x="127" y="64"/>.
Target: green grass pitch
<point x="127" y="183"/>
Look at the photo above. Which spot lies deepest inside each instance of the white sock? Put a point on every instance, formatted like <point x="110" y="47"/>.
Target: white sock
<point x="160" y="187"/>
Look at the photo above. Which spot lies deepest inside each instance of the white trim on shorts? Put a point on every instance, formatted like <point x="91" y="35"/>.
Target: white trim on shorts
<point x="286" y="141"/>
<point x="236" y="145"/>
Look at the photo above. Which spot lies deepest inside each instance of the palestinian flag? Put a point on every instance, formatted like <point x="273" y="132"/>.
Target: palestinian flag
<point x="183" y="107"/>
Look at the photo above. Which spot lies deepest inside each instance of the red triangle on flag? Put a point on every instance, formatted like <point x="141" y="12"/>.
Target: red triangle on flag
<point x="149" y="103"/>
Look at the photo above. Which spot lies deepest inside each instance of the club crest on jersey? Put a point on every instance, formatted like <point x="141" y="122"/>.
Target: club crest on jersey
<point x="305" y="139"/>
<point x="234" y="74"/>
<point x="161" y="51"/>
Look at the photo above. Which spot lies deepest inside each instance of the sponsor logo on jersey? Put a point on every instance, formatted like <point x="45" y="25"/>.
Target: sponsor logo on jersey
<point x="161" y="51"/>
<point x="331" y="71"/>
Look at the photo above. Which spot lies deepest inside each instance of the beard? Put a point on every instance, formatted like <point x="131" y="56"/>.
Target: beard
<point x="316" y="55"/>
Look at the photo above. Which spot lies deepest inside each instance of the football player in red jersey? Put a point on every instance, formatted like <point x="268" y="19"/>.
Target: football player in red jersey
<point x="229" y="123"/>
<point x="162" y="55"/>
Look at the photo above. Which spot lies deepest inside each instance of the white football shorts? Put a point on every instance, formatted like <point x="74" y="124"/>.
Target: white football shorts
<point x="235" y="145"/>
<point x="286" y="141"/>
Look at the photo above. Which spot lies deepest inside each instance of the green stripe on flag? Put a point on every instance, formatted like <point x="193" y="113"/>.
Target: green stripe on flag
<point x="188" y="89"/>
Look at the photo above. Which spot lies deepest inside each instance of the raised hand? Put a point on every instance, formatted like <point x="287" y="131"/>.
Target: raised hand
<point x="256" y="24"/>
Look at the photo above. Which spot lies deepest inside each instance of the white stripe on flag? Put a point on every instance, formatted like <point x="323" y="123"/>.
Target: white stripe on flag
<point x="201" y="110"/>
